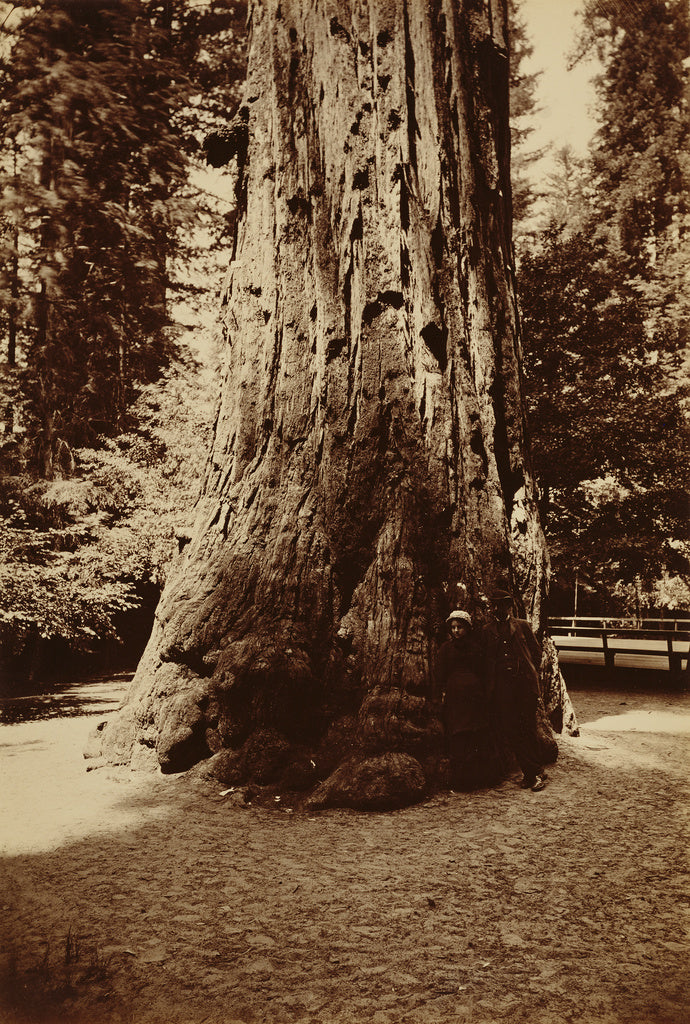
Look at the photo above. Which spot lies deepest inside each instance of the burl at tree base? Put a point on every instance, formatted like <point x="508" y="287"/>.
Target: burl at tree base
<point x="370" y="466"/>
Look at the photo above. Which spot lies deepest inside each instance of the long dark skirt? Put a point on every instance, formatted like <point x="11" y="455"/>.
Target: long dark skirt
<point x="476" y="760"/>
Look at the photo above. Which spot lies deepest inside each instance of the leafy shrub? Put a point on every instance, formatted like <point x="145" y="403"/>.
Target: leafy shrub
<point x="77" y="555"/>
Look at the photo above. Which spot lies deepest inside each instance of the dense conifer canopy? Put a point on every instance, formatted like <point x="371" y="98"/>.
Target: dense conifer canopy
<point x="606" y="322"/>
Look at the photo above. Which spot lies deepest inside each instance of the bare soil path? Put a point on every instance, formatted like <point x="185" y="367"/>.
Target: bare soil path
<point x="154" y="900"/>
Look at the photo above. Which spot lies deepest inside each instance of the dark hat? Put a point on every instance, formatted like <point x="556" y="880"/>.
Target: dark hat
<point x="501" y="595"/>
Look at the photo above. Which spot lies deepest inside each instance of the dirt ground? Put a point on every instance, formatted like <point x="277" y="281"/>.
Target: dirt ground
<point x="151" y="900"/>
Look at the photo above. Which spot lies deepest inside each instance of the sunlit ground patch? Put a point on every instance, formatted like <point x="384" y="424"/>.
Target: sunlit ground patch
<point x="47" y="797"/>
<point x="670" y="722"/>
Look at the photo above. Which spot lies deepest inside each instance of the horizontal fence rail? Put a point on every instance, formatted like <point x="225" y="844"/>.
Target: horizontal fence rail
<point x="660" y="645"/>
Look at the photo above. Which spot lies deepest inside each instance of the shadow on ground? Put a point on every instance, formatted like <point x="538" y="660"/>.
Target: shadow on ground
<point x="499" y="905"/>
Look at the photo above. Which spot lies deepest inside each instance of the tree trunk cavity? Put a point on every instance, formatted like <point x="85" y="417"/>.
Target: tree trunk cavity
<point x="370" y="465"/>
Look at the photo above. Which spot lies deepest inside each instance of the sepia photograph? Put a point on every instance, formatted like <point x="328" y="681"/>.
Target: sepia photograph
<point x="344" y="511"/>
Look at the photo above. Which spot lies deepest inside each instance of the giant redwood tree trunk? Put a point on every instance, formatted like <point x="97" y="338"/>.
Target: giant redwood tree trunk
<point x="370" y="467"/>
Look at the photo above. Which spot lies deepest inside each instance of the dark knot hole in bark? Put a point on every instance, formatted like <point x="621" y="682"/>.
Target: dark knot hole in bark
<point x="435" y="340"/>
<point x="383" y="300"/>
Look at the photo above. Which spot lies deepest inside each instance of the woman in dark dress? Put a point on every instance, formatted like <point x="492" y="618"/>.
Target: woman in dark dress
<point x="474" y="755"/>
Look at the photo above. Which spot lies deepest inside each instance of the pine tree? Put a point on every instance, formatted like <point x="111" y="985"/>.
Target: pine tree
<point x="605" y="320"/>
<point x="567" y="204"/>
<point x="609" y="440"/>
<point x="640" y="150"/>
<point x="523" y="109"/>
<point x="88" y="99"/>
<point x="208" y="38"/>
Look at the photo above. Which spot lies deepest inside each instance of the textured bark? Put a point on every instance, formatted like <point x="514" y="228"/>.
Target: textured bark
<point x="370" y="466"/>
<point x="557" y="703"/>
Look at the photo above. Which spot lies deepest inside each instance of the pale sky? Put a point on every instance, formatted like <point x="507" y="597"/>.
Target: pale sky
<point x="565" y="96"/>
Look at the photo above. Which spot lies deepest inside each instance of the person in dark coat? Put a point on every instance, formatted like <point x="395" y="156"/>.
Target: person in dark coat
<point x="472" y="750"/>
<point x="512" y="667"/>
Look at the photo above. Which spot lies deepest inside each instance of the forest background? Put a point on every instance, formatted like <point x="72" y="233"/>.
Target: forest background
<point x="116" y="224"/>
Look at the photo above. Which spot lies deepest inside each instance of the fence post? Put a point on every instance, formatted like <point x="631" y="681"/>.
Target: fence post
<point x="609" y="655"/>
<point x="675" y="661"/>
